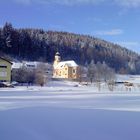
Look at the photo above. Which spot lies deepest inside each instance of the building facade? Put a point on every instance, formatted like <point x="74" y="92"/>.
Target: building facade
<point x="65" y="69"/>
<point x="5" y="70"/>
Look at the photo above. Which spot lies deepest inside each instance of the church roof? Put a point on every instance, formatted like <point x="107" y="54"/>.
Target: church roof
<point x="68" y="63"/>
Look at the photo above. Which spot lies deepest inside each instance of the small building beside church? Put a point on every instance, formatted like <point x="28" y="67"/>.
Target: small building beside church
<point x="65" y="69"/>
<point x="5" y="70"/>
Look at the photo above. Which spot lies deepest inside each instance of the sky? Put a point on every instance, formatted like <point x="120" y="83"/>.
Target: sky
<point x="116" y="21"/>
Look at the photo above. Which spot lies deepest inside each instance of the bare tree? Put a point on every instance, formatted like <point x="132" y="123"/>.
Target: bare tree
<point x="98" y="75"/>
<point x="101" y="73"/>
<point x="40" y="74"/>
<point x="111" y="77"/>
<point x="23" y="75"/>
<point x="91" y="71"/>
<point x="39" y="79"/>
<point x="82" y="72"/>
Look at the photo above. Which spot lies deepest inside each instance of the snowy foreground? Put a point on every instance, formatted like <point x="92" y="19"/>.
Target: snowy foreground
<point x="68" y="113"/>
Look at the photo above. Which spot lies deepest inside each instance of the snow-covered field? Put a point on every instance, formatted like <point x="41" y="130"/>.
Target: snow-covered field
<point x="65" y="112"/>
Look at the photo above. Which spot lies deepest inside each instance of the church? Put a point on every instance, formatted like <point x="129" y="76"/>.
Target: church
<point x="65" y="69"/>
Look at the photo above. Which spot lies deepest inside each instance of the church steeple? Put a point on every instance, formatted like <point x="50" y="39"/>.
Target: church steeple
<point x="57" y="59"/>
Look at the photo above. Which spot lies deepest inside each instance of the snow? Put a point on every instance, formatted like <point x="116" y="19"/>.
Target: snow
<point x="61" y="111"/>
<point x="129" y="78"/>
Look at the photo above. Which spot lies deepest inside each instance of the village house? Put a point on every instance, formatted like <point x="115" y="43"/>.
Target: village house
<point x="65" y="69"/>
<point x="32" y="65"/>
<point x="28" y="65"/>
<point x="5" y="70"/>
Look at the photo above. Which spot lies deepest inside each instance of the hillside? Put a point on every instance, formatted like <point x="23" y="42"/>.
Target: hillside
<point x="35" y="44"/>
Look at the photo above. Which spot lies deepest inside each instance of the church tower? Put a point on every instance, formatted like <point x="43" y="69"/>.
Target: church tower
<point x="57" y="59"/>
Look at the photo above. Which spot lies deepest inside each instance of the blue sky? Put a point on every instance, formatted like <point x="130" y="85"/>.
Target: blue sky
<point x="117" y="21"/>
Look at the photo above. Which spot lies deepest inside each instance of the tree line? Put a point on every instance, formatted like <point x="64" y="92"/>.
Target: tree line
<point x="37" y="44"/>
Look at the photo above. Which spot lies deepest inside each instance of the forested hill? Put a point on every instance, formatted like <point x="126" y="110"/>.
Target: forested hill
<point x="35" y="44"/>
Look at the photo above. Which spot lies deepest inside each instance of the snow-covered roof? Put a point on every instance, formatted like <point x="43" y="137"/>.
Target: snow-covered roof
<point x="17" y="65"/>
<point x="68" y="63"/>
<point x="30" y="64"/>
<point x="27" y="64"/>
